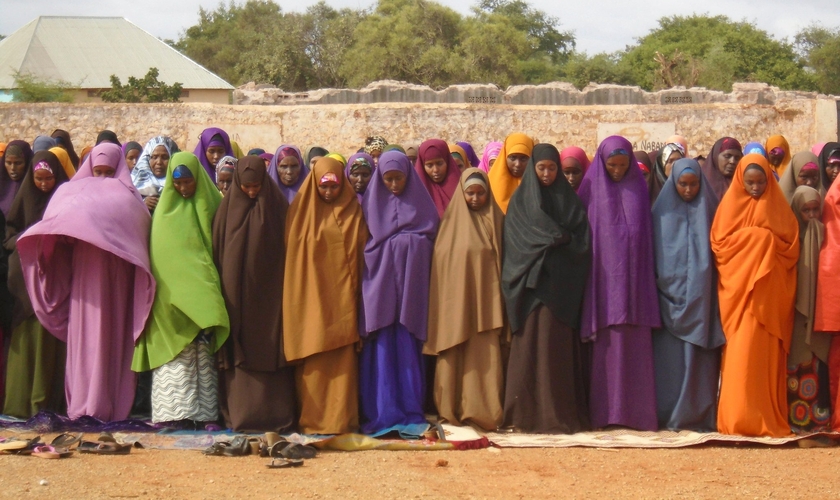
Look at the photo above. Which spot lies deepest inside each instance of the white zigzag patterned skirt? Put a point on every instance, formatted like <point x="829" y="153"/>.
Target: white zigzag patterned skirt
<point x="187" y="387"/>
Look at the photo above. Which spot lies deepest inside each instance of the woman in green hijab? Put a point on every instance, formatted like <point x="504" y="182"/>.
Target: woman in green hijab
<point x="189" y="321"/>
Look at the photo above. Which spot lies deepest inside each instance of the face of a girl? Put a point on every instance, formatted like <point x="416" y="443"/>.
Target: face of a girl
<point x="185" y="187"/>
<point x="775" y="156"/>
<point x="572" y="171"/>
<point x="214" y="154"/>
<point x="546" y="172"/>
<point x="44" y="180"/>
<point x="617" y="166"/>
<point x="459" y="161"/>
<point x="476" y="197"/>
<point x="329" y="191"/>
<point x="436" y="169"/>
<point x="395" y="181"/>
<point x="669" y="163"/>
<point x="810" y="210"/>
<point x="516" y="164"/>
<point x="131" y="158"/>
<point x="288" y="170"/>
<point x="688" y="186"/>
<point x="223" y="180"/>
<point x="104" y="171"/>
<point x="809" y="177"/>
<point x="360" y="178"/>
<point x="313" y="160"/>
<point x="755" y="182"/>
<point x="15" y="167"/>
<point x="252" y="189"/>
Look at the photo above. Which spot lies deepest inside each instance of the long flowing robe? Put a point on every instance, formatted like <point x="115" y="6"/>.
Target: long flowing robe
<point x="756" y="246"/>
<point x="687" y="348"/>
<point x="395" y="291"/>
<point x="86" y="267"/>
<point x="620" y="305"/>
<point x="324" y="244"/>
<point x="504" y="184"/>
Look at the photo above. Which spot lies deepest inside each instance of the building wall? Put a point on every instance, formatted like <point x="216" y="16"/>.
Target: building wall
<point x="192" y="95"/>
<point x="803" y="120"/>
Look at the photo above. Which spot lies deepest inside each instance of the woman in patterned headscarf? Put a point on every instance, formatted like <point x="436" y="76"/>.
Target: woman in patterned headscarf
<point x="374" y="146"/>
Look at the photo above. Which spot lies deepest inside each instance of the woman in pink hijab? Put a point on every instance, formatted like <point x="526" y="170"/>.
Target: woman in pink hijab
<point x="573" y="163"/>
<point x="86" y="267"/>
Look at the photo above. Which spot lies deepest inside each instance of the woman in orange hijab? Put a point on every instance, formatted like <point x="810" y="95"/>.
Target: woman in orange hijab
<point x="778" y="152"/>
<point x="515" y="153"/>
<point x="325" y="241"/>
<point x="755" y="239"/>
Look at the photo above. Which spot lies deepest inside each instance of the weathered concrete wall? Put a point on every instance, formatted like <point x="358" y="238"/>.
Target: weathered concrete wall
<point x="804" y="119"/>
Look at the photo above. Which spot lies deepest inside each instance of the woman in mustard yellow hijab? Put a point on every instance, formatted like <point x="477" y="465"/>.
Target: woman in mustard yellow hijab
<point x="514" y="156"/>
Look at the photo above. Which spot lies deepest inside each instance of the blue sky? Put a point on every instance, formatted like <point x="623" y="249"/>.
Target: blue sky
<point x="599" y="26"/>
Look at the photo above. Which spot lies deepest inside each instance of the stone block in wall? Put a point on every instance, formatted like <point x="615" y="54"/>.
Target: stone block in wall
<point x="682" y="95"/>
<point x="473" y="93"/>
<point x="548" y="94"/>
<point x="753" y="93"/>
<point x="607" y="94"/>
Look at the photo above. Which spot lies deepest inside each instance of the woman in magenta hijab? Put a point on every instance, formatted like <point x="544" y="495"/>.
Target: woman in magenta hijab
<point x="438" y="172"/>
<point x="620" y="305"/>
<point x="86" y="267"/>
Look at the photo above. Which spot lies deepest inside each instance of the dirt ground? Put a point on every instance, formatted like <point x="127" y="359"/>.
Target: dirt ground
<point x="698" y="472"/>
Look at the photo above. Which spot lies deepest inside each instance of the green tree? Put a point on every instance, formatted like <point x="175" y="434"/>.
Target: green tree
<point x="146" y="89"/>
<point x="29" y="88"/>
<point x="712" y="52"/>
<point x="581" y="69"/>
<point x="819" y="48"/>
<point x="542" y="29"/>
<point x="328" y="34"/>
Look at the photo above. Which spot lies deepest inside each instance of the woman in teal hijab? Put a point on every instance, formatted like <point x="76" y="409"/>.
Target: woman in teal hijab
<point x="189" y="321"/>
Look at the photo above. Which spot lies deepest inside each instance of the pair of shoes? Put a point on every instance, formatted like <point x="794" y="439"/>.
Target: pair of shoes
<point x="283" y="463"/>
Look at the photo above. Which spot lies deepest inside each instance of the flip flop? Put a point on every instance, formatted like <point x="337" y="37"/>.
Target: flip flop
<point x="52" y="452"/>
<point x="293" y="451"/>
<point x="16" y="445"/>
<point x="106" y="437"/>
<point x="66" y="440"/>
<point x="284" y="463"/>
<point x="104" y="448"/>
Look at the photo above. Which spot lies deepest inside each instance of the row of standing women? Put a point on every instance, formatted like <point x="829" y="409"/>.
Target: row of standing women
<point x="551" y="303"/>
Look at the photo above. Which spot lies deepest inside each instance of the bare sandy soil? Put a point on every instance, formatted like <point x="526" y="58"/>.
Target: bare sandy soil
<point x="699" y="472"/>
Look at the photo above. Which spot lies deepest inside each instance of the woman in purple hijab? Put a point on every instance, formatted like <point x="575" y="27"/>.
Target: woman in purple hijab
<point x="213" y="145"/>
<point x="15" y="161"/>
<point x="86" y="267"/>
<point x="288" y="170"/>
<point x="403" y="222"/>
<point x="471" y="156"/>
<point x="620" y="305"/>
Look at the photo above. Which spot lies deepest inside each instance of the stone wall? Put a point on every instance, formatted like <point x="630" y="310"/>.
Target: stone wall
<point x="753" y="112"/>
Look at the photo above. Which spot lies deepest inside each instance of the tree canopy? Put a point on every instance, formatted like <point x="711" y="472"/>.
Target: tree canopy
<point x="503" y="42"/>
<point x="146" y="89"/>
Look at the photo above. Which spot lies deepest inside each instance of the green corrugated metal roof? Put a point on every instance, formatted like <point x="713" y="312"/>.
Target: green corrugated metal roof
<point x="86" y="51"/>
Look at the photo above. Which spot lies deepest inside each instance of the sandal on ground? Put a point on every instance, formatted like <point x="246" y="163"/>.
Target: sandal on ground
<point x="49" y="451"/>
<point x="283" y="463"/>
<point x="292" y="451"/>
<point x="66" y="440"/>
<point x="106" y="437"/>
<point x="239" y="447"/>
<point x="106" y="448"/>
<point x="16" y="444"/>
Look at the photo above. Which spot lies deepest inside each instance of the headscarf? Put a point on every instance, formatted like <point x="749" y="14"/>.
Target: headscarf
<point x="315" y="151"/>
<point x="85" y="152"/>
<point x="42" y="143"/>
<point x="826" y="318"/>
<point x="811" y="234"/>
<point x="830" y="149"/>
<point x="142" y="176"/>
<point x="249" y="253"/>
<point x="8" y="187"/>
<point x="2" y="148"/>
<point x="491" y="152"/>
<point x="621" y="288"/>
<point x="255" y="151"/>
<point x="441" y="193"/>
<point x="27" y="209"/>
<point x="109" y="154"/>
<point x="465" y="291"/>
<point x="657" y="177"/>
<point x="788" y="180"/>
<point x="395" y="286"/>
<point x="686" y="276"/>
<point x="62" y="139"/>
<point x="339" y="157"/>
<point x="107" y="136"/>
<point x="189" y="295"/>
<point x="410" y="149"/>
<point x="204" y="141"/>
<point x="65" y="161"/>
<point x="237" y="151"/>
<point x="131" y="146"/>
<point x="457" y="149"/>
<point x="755" y="147"/>
<point x="228" y="162"/>
<point x="394" y="147"/>
<point x="756" y="246"/>
<point x="375" y="143"/>
<point x="547" y="244"/>
<point x="818" y="147"/>
<point x="643" y="159"/>
<point x="503" y="183"/>
<point x="678" y="139"/>
<point x="351" y="166"/>
<point x="283" y="151"/>
<point x="324" y="243"/>
<point x="779" y="141"/>
<point x="717" y="181"/>
<point x="576" y="153"/>
<point x="471" y="159"/>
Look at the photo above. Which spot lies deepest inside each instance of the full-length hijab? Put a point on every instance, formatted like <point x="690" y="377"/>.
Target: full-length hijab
<point x="779" y="141"/>
<point x="398" y="294"/>
<point x="829" y="149"/>
<point x="503" y="183"/>
<point x="283" y="151"/>
<point x="27" y="209"/>
<point x="189" y="295"/>
<point x="578" y="154"/>
<point x="441" y="193"/>
<point x="685" y="270"/>
<point x="717" y="181"/>
<point x="204" y="142"/>
<point x="249" y="252"/>
<point x="547" y="244"/>
<point x="8" y="187"/>
<point x="465" y="295"/>
<point x="828" y="278"/>
<point x="142" y="176"/>
<point x="788" y="179"/>
<point x="621" y="288"/>
<point x="323" y="266"/>
<point x="756" y="246"/>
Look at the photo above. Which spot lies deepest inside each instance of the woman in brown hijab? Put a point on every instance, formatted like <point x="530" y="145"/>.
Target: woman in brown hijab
<point x="466" y="306"/>
<point x="257" y="391"/>
<point x="325" y="238"/>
